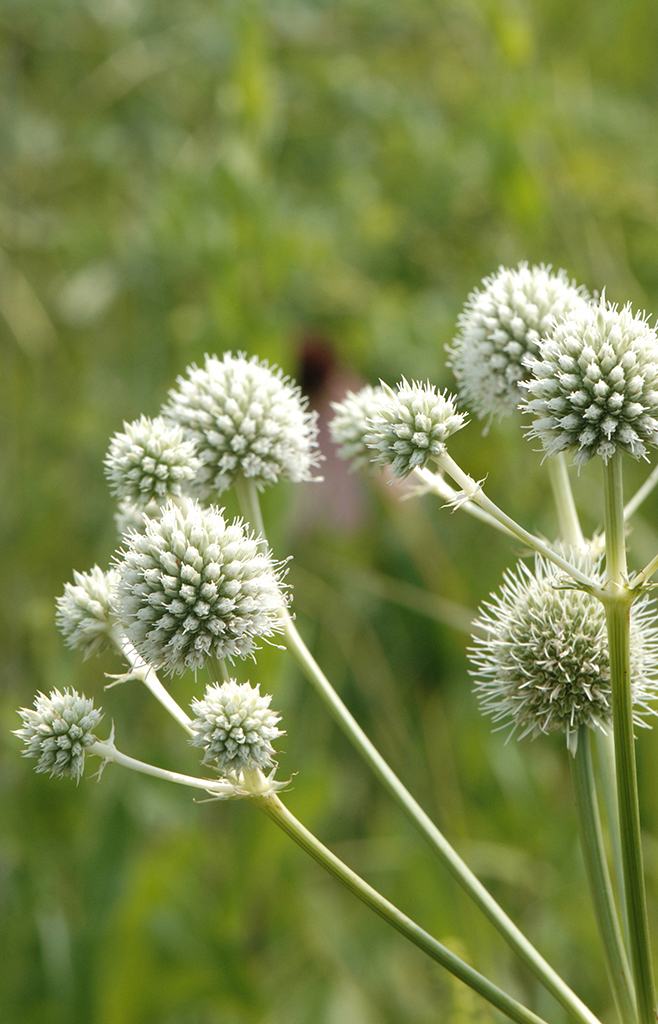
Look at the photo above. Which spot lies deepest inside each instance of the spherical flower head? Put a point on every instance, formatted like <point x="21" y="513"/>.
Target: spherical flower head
<point x="594" y="388"/>
<point x="235" y="726"/>
<point x="85" y="612"/>
<point x="409" y="427"/>
<point x="245" y="418"/>
<point x="193" y="585"/>
<point x="351" y="424"/>
<point x="150" y="461"/>
<point x="543" y="664"/>
<point x="500" y="326"/>
<point x="58" y="731"/>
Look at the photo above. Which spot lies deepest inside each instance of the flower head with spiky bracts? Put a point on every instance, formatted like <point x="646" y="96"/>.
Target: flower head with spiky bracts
<point x="235" y="726"/>
<point x="409" y="427"/>
<point x="58" y="730"/>
<point x="85" y="612"/>
<point x="193" y="585"/>
<point x="150" y="461"/>
<point x="542" y="664"/>
<point x="245" y="418"/>
<point x="501" y="325"/>
<point x="594" y="385"/>
<point x="352" y="423"/>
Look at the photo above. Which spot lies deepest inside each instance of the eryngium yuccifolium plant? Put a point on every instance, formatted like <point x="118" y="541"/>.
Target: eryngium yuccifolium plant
<point x="85" y="612"/>
<point x="193" y="585"/>
<point x="352" y="422"/>
<point x="150" y="461"/>
<point x="409" y="427"/>
<point x="500" y="326"/>
<point x="244" y="417"/>
<point x="594" y="388"/>
<point x="543" y="663"/>
<point x="58" y="731"/>
<point x="235" y="726"/>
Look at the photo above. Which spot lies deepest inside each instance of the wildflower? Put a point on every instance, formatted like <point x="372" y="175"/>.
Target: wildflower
<point x="409" y="427"/>
<point x="595" y="384"/>
<point x="58" y="731"/>
<point x="543" y="664"/>
<point x="244" y="417"/>
<point x="193" y="585"/>
<point x="85" y="611"/>
<point x="352" y="422"/>
<point x="500" y="326"/>
<point x="150" y="461"/>
<point x="235" y="726"/>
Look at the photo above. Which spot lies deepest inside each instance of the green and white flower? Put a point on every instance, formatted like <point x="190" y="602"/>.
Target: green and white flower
<point x="86" y="615"/>
<point x="58" y="730"/>
<point x="150" y="461"/>
<point x="352" y="423"/>
<point x="235" y="727"/>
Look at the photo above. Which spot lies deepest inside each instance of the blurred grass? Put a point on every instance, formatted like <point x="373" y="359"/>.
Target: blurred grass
<point x="279" y="178"/>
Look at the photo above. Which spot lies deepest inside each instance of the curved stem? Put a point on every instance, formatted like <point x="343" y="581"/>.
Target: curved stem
<point x="442" y="848"/>
<point x="142" y="671"/>
<point x="434" y="483"/>
<point x="591" y="838"/>
<point x="109" y="752"/>
<point x="273" y="807"/>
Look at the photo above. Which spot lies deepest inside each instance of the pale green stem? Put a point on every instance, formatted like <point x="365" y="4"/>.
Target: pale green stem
<point x="641" y="494"/>
<point x="474" y="491"/>
<point x="605" y="745"/>
<point x="646" y="574"/>
<point x="591" y="839"/>
<point x="109" y="753"/>
<point x="617" y="604"/>
<point x="567" y="516"/>
<point x="434" y="483"/>
<point x="273" y="807"/>
<point x="142" y="671"/>
<point x="442" y="848"/>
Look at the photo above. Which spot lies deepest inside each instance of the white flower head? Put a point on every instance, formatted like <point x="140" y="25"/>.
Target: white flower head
<point x="85" y="612"/>
<point x="150" y="461"/>
<point x="594" y="388"/>
<point x="245" y="418"/>
<point x="501" y="325"/>
<point x="351" y="424"/>
<point x="58" y="730"/>
<point x="235" y="727"/>
<point x="543" y="664"/>
<point x="409" y="427"/>
<point x="193" y="585"/>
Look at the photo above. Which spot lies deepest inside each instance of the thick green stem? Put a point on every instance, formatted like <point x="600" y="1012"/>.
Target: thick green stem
<point x="567" y="516"/>
<point x="273" y="807"/>
<point x="605" y="747"/>
<point x="442" y="848"/>
<point x="617" y="603"/>
<point x="591" y="838"/>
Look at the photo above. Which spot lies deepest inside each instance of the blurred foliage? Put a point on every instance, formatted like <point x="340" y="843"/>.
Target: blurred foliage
<point x="321" y="184"/>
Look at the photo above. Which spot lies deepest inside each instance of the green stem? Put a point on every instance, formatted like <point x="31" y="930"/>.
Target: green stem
<point x="567" y="516"/>
<point x="142" y="671"/>
<point x="641" y="494"/>
<point x="605" y="746"/>
<point x="591" y="838"/>
<point x="617" y="604"/>
<point x="434" y="483"/>
<point x="442" y="848"/>
<point x="273" y="807"/>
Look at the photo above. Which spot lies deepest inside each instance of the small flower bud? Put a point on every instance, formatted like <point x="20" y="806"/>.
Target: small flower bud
<point x="500" y="326"/>
<point x="351" y="424"/>
<point x="150" y="461"/>
<point x="235" y="727"/>
<point x="244" y="417"/>
<point x="192" y="585"/>
<point x="409" y="427"/>
<point x="58" y="731"/>
<point x="85" y="612"/>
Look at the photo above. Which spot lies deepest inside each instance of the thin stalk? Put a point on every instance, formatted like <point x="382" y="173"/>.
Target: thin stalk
<point x="567" y="516"/>
<point x="641" y="494"/>
<point x="142" y="671"/>
<point x="434" y="483"/>
<point x="273" y="807"/>
<point x="617" y="607"/>
<point x="109" y="753"/>
<point x="591" y="839"/>
<point x="442" y="848"/>
<point x="605" y="746"/>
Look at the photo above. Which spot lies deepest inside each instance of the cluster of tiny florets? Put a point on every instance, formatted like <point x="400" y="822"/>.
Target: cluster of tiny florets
<point x="594" y="388"/>
<point x="86" y="615"/>
<point x="542" y="664"/>
<point x="409" y="427"/>
<point x="235" y="726"/>
<point x="58" y="730"/>
<point x="193" y="585"/>
<point x="500" y="326"/>
<point x="150" y="461"/>
<point x="352" y="423"/>
<point x="245" y="418"/>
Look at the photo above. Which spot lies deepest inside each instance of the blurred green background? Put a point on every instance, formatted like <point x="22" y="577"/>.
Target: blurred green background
<point x="321" y="184"/>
